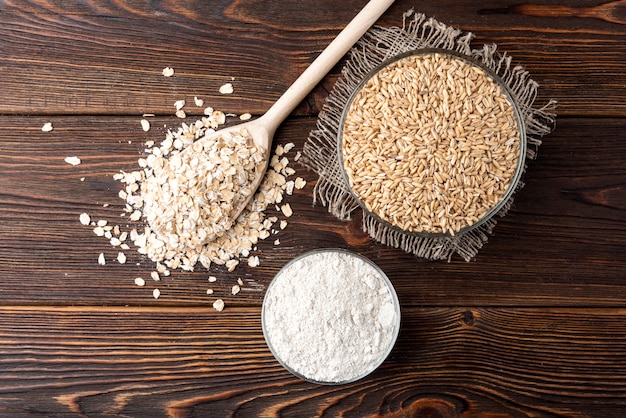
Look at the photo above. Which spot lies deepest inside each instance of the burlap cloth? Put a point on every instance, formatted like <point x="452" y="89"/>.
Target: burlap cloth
<point x="378" y="45"/>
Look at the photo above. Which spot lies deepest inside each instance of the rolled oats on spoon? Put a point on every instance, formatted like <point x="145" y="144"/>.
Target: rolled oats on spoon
<point x="178" y="230"/>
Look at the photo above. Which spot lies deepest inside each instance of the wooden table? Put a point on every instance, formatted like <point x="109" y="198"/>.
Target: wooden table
<point x="534" y="326"/>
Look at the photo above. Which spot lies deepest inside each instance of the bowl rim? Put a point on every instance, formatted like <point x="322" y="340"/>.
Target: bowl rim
<point x="394" y="299"/>
<point x="521" y="160"/>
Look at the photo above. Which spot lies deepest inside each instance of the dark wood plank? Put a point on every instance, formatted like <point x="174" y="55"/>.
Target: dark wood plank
<point x="533" y="327"/>
<point x="188" y="362"/>
<point x="564" y="242"/>
<point x="92" y="58"/>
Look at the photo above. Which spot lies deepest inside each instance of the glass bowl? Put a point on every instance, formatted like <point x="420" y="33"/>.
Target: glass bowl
<point x="271" y="338"/>
<point x="515" y="179"/>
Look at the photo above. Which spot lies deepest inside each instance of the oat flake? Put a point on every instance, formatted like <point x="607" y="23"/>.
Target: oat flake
<point x="218" y="305"/>
<point x="72" y="160"/>
<point x="85" y="219"/>
<point x="227" y="89"/>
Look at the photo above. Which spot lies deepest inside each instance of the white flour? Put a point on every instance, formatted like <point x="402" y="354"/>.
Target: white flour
<point x="330" y="317"/>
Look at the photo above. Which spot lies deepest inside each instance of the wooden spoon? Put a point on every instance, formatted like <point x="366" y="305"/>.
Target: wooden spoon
<point x="262" y="129"/>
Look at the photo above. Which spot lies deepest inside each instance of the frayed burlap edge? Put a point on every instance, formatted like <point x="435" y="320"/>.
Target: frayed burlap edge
<point x="378" y="45"/>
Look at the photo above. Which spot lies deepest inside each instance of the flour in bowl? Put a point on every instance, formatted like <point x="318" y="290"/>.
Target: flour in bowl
<point x="330" y="316"/>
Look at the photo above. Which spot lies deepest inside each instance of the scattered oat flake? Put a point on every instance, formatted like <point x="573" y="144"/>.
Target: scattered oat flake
<point x="212" y="279"/>
<point x="168" y="71"/>
<point x="84" y="219"/>
<point x="218" y="305"/>
<point x="145" y="125"/>
<point x="181" y="114"/>
<point x="199" y="102"/>
<point x="121" y="258"/>
<point x="219" y="116"/>
<point x="209" y="291"/>
<point x="283" y="224"/>
<point x="286" y="209"/>
<point x="297" y="156"/>
<point x="155" y="276"/>
<point x="156" y="293"/>
<point x="300" y="183"/>
<point x="47" y="127"/>
<point x="231" y="264"/>
<point x="226" y="88"/>
<point x="245" y="116"/>
<point x="82" y="179"/>
<point x="140" y="282"/>
<point x="72" y="160"/>
<point x="289" y="146"/>
<point x="253" y="261"/>
<point x="101" y="259"/>
<point x="276" y="242"/>
<point x="102" y="222"/>
<point x="179" y="104"/>
<point x="235" y="289"/>
<point x="289" y="186"/>
<point x="239" y="281"/>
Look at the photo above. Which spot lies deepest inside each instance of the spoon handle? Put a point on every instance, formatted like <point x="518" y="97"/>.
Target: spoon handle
<point x="325" y="62"/>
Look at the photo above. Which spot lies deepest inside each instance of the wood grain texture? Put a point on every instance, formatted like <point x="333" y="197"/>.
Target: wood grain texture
<point x="182" y="362"/>
<point x="552" y="248"/>
<point x="533" y="327"/>
<point x="106" y="58"/>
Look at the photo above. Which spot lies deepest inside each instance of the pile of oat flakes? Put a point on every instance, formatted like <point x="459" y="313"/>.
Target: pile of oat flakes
<point x="227" y="249"/>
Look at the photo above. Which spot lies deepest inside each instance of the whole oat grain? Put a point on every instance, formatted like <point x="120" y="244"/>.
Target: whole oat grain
<point x="430" y="143"/>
